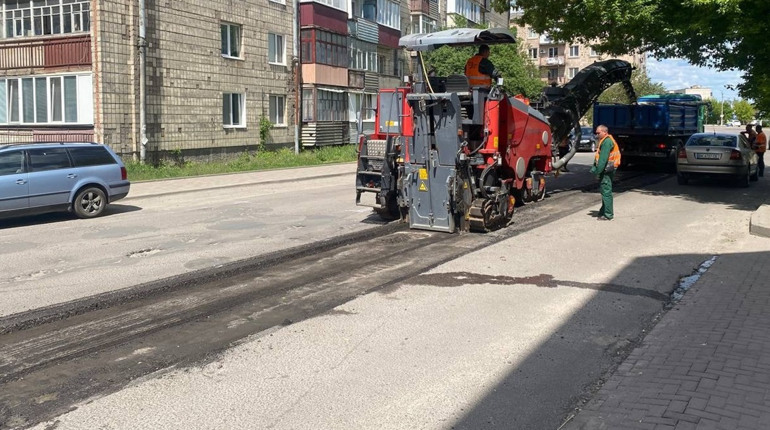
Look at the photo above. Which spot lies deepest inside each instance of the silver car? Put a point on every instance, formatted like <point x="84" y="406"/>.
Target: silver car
<point x="717" y="154"/>
<point x="48" y="177"/>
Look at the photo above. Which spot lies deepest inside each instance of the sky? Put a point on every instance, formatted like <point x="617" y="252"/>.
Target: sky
<point x="677" y="74"/>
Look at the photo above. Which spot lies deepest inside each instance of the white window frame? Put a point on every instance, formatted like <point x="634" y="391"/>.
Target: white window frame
<point x="229" y="26"/>
<point x="336" y="4"/>
<point x="354" y="106"/>
<point x="553" y="52"/>
<point x="573" y="71"/>
<point x="278" y="1"/>
<point x="227" y="100"/>
<point x="533" y="53"/>
<point x="276" y="42"/>
<point x="532" y="34"/>
<point x="77" y="111"/>
<point x="277" y="116"/>
<point x="574" y="51"/>
<point x="594" y="52"/>
<point x="54" y="17"/>
<point x="389" y="14"/>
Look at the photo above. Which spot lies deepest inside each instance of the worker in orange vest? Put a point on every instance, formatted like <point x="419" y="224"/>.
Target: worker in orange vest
<point x="760" y="146"/>
<point x="479" y="69"/>
<point x="606" y="161"/>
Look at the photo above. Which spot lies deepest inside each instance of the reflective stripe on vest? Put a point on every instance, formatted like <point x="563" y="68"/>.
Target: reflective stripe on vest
<point x="614" y="157"/>
<point x="761" y="143"/>
<point x="475" y="77"/>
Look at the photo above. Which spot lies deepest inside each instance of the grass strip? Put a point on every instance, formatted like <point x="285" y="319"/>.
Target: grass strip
<point x="246" y="162"/>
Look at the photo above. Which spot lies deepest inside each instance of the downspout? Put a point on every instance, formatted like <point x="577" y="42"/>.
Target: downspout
<point x="298" y="78"/>
<point x="142" y="42"/>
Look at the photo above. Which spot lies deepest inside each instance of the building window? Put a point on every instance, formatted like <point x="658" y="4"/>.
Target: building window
<point x="363" y="56"/>
<point x="361" y="104"/>
<point x="423" y="24"/>
<point x="275" y="49"/>
<point x="323" y="47"/>
<point x="231" y="40"/>
<point x="277" y="110"/>
<point x="466" y="8"/>
<point x="233" y="110"/>
<point x="389" y="14"/>
<point x="279" y="1"/>
<point x="553" y="52"/>
<point x="336" y="4"/>
<point x="594" y="52"/>
<point x="308" y="105"/>
<point x="533" y="53"/>
<point x="532" y="34"/>
<point x="553" y="74"/>
<point x="574" y="51"/>
<point x="39" y="18"/>
<point x="332" y="106"/>
<point x="572" y="72"/>
<point x="46" y="100"/>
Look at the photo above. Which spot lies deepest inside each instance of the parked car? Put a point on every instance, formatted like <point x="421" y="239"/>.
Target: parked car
<point x="725" y="154"/>
<point x="587" y="140"/>
<point x="734" y="123"/>
<point x="51" y="177"/>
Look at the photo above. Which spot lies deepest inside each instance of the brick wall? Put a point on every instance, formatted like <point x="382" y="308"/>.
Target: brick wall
<point x="187" y="75"/>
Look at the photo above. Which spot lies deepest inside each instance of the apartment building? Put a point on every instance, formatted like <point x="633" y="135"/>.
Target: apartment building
<point x="560" y="61"/>
<point x="70" y="71"/>
<point x="350" y="51"/>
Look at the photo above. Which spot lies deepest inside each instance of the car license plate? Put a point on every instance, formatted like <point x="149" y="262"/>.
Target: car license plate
<point x="702" y="156"/>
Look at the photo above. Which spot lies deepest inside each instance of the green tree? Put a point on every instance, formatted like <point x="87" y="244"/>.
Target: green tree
<point x="744" y="111"/>
<point x="520" y="75"/>
<point x="726" y="34"/>
<point x="715" y="111"/>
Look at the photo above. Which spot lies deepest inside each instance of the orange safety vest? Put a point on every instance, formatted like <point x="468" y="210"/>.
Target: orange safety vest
<point x="475" y="77"/>
<point x="614" y="154"/>
<point x="761" y="143"/>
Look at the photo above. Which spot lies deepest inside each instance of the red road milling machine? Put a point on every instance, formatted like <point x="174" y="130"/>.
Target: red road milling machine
<point x="447" y="156"/>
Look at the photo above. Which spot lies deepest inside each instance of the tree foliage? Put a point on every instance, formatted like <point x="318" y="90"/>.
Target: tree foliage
<point x="520" y="75"/>
<point x="744" y="111"/>
<point x="725" y="34"/>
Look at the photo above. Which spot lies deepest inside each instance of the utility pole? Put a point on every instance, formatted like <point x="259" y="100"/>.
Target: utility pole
<point x="142" y="80"/>
<point x="722" y="106"/>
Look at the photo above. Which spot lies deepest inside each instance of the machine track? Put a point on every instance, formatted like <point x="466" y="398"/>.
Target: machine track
<point x="53" y="359"/>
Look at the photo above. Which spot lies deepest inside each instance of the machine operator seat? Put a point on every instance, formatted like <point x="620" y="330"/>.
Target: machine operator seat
<point x="469" y="96"/>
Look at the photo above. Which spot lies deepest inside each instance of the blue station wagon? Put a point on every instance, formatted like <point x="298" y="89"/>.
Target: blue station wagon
<point x="51" y="177"/>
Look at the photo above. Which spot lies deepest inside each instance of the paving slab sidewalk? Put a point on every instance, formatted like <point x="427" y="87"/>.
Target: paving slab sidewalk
<point x="705" y="365"/>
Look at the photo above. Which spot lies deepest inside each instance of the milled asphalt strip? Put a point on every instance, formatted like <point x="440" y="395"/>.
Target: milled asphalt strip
<point x="36" y="317"/>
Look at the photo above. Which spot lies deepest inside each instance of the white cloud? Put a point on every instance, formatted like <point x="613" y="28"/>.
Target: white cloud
<point x="676" y="74"/>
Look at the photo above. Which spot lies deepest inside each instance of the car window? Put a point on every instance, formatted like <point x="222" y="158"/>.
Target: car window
<point x="91" y="156"/>
<point x="721" y="141"/>
<point x="11" y="162"/>
<point x="48" y="159"/>
<point x="587" y="131"/>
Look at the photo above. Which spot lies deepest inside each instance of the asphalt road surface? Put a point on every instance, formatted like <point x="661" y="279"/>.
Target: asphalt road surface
<point x="346" y="322"/>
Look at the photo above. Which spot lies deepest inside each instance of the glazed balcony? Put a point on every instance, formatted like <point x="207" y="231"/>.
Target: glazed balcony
<point x="419" y="6"/>
<point x="23" y="53"/>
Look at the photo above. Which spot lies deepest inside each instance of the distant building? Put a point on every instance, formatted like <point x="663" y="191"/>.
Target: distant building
<point x="560" y="61"/>
<point x="703" y="92"/>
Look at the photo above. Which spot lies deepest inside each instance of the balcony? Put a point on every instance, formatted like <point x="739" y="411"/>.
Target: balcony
<point x="422" y="6"/>
<point x="49" y="52"/>
<point x="552" y="61"/>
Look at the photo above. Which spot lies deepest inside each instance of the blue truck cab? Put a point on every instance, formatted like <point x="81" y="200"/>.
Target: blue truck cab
<point x="651" y="130"/>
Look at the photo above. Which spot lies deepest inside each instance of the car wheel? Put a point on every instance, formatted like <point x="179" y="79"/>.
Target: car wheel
<point x="743" y="180"/>
<point x="89" y="202"/>
<point x="681" y="179"/>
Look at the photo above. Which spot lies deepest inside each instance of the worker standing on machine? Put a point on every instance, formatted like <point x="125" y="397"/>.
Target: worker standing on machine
<point x="479" y="69"/>
<point x="606" y="161"/>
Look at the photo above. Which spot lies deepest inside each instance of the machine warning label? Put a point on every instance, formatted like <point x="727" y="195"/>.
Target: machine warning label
<point x="424" y="174"/>
<point x="423" y="187"/>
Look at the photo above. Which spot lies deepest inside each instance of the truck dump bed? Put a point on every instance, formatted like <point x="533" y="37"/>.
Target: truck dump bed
<point x="651" y="117"/>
